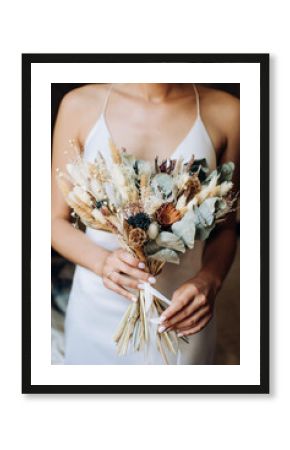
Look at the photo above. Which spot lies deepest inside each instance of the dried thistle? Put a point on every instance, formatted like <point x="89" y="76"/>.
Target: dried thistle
<point x="140" y="220"/>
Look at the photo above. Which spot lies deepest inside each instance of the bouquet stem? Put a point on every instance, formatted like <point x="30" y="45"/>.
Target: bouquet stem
<point x="137" y="328"/>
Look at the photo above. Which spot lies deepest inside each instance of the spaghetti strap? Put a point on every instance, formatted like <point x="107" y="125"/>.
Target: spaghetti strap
<point x="197" y="99"/>
<point x="107" y="98"/>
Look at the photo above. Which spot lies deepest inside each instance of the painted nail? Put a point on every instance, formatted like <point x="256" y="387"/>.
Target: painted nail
<point x="140" y="286"/>
<point x="162" y="319"/>
<point x="133" y="298"/>
<point x="179" y="334"/>
<point x="141" y="265"/>
<point x="161" y="329"/>
<point x="152" y="280"/>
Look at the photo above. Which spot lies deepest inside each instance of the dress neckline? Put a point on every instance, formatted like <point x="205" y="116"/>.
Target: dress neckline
<point x="179" y="145"/>
<point x="101" y="121"/>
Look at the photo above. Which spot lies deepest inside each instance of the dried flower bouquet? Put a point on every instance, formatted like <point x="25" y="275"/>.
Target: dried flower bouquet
<point x="157" y="211"/>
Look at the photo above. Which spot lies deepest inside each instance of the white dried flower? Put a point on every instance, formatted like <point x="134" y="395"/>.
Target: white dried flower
<point x="225" y="187"/>
<point x="153" y="230"/>
<point x="96" y="189"/>
<point x="77" y="174"/>
<point x="151" y="204"/>
<point x="118" y="176"/>
<point x="181" y="202"/>
<point x="181" y="180"/>
<point x="82" y="195"/>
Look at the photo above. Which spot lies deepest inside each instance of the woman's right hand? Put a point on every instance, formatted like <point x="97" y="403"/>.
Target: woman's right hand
<point x="122" y="271"/>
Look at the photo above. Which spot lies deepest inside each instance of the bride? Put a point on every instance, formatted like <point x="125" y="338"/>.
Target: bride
<point x="168" y="120"/>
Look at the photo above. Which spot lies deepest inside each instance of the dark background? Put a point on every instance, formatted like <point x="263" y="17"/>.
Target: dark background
<point x="228" y="301"/>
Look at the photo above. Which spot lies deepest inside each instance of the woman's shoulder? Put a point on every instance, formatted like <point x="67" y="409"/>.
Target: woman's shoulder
<point x="219" y="107"/>
<point x="218" y="100"/>
<point x="84" y="97"/>
<point x="81" y="107"/>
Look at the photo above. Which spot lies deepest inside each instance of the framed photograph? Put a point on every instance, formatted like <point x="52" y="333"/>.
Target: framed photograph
<point x="145" y="221"/>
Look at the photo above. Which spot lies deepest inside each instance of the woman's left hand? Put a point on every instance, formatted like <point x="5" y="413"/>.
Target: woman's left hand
<point x="192" y="306"/>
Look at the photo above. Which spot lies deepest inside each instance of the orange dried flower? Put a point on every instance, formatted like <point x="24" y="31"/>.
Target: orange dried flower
<point x="167" y="214"/>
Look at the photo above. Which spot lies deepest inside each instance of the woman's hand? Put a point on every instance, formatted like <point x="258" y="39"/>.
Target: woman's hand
<point x="192" y="306"/>
<point x="122" y="271"/>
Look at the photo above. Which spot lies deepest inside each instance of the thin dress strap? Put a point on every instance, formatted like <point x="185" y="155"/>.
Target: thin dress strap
<point x="107" y="98"/>
<point x="197" y="99"/>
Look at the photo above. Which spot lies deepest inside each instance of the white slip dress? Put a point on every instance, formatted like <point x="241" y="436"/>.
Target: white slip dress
<point x="94" y="312"/>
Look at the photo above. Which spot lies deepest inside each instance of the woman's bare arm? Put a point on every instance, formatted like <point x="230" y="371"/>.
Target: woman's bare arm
<point x="220" y="248"/>
<point x="193" y="302"/>
<point x="70" y="242"/>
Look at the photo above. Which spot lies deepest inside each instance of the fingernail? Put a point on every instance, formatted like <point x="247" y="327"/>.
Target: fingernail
<point x="134" y="299"/>
<point x="161" y="329"/>
<point x="140" y="286"/>
<point x="152" y="280"/>
<point x="141" y="265"/>
<point x="179" y="334"/>
<point x="162" y="319"/>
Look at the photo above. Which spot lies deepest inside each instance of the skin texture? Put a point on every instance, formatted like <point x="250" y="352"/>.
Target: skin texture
<point x="149" y="119"/>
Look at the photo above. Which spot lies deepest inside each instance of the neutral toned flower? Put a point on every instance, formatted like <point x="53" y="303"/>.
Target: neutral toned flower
<point x="76" y="173"/>
<point x="96" y="213"/>
<point x="192" y="187"/>
<point x="116" y="155"/>
<point x="225" y="187"/>
<point x="137" y="237"/>
<point x="153" y="230"/>
<point x="152" y="203"/>
<point x="181" y="202"/>
<point x="82" y="195"/>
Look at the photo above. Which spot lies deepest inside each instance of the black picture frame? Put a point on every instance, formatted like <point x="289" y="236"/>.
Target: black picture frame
<point x="123" y="58"/>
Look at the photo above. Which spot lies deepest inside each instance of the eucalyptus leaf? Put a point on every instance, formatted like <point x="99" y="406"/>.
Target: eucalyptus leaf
<point x="226" y="172"/>
<point x="151" y="247"/>
<point x="206" y="211"/>
<point x="170" y="240"/>
<point x="162" y="182"/>
<point x="165" y="255"/>
<point x="185" y="228"/>
<point x="205" y="217"/>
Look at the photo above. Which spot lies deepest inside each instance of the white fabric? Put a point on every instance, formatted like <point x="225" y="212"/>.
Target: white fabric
<point x="94" y="312"/>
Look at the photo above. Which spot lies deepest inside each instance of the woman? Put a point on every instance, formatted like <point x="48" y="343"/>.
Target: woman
<point x="168" y="120"/>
